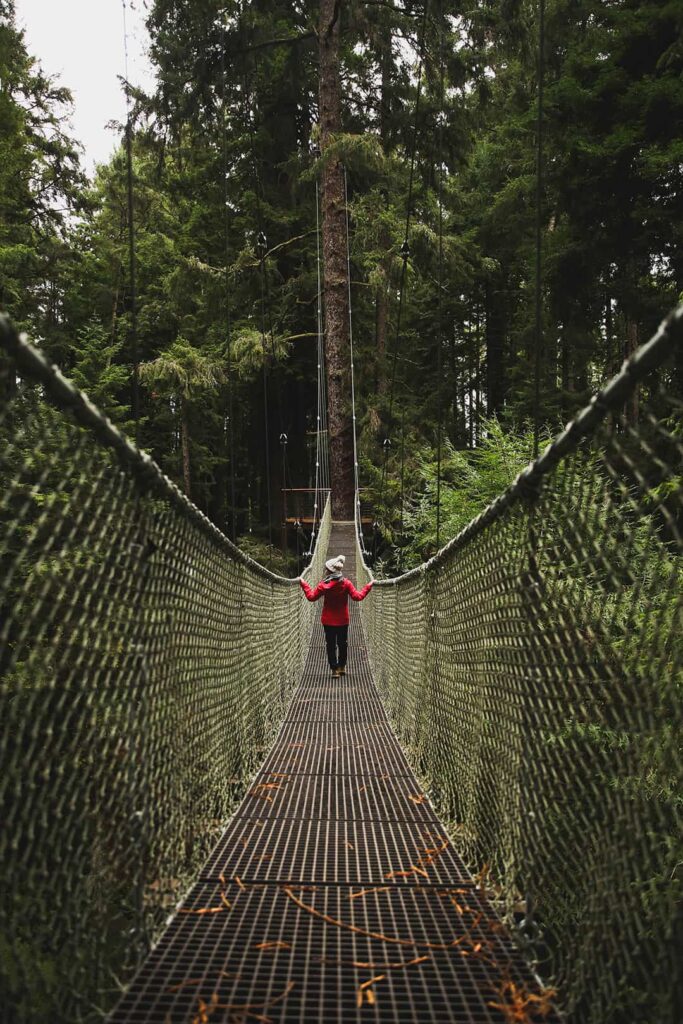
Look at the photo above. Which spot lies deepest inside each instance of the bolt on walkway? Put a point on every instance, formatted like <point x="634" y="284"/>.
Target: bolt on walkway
<point x="334" y="893"/>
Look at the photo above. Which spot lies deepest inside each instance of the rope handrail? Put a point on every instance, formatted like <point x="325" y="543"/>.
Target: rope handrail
<point x="533" y="670"/>
<point x="634" y="370"/>
<point x="146" y="664"/>
<point x="66" y="395"/>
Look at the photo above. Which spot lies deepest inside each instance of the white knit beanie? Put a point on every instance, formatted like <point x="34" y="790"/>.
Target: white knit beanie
<point x="335" y="564"/>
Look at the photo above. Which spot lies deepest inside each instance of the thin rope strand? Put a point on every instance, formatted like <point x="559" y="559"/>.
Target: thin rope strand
<point x="439" y="321"/>
<point x="356" y="510"/>
<point x="539" y="242"/>
<point x="135" y="381"/>
<point x="228" y="320"/>
<point x="405" y="244"/>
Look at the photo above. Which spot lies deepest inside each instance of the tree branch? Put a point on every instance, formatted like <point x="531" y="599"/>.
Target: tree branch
<point x="283" y="41"/>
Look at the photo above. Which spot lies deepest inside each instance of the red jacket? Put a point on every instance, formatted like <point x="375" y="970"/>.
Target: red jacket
<point x="336" y="599"/>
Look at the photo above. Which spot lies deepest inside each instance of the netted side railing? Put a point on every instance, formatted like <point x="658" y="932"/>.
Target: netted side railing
<point x="145" y="663"/>
<point x="533" y="671"/>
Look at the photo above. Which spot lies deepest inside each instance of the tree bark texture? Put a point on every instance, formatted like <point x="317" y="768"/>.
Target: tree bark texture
<point x="631" y="408"/>
<point x="495" y="348"/>
<point x="335" y="271"/>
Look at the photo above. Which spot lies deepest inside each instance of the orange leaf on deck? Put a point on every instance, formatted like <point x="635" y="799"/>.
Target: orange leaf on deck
<point x="392" y="965"/>
<point x="204" y="910"/>
<point x="273" y="945"/>
<point x="371" y="981"/>
<point x="412" y="870"/>
<point x="185" y="984"/>
<point x="364" y="892"/>
<point x="521" y="1006"/>
<point x="422" y="944"/>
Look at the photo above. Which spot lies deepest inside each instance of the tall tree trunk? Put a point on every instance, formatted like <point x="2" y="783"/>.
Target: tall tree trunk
<point x="565" y="365"/>
<point x="631" y="407"/>
<point x="612" y="362"/>
<point x="495" y="335"/>
<point x="381" y="303"/>
<point x="185" y="445"/>
<point x="335" y="274"/>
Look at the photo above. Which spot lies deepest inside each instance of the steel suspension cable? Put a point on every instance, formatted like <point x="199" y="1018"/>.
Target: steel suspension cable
<point x="265" y="407"/>
<point x="356" y="510"/>
<point x="439" y="315"/>
<point x="405" y="253"/>
<point x="317" y="503"/>
<point x="539" y="242"/>
<point x="228" y="322"/>
<point x="321" y="357"/>
<point x="261" y="245"/>
<point x="135" y="380"/>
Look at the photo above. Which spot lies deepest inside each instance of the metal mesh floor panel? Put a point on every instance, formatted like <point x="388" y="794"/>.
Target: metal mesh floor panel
<point x="352" y="708"/>
<point x="334" y="893"/>
<point x="371" y="798"/>
<point x="364" y="852"/>
<point x="311" y="954"/>
<point x="337" y="748"/>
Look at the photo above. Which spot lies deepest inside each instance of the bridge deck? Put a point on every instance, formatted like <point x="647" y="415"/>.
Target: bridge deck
<point x="338" y="895"/>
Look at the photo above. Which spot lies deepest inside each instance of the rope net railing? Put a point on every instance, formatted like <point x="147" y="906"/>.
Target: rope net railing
<point x="532" y="670"/>
<point x="145" y="665"/>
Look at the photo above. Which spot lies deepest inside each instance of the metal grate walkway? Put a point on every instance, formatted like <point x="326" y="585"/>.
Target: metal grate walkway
<point x="334" y="893"/>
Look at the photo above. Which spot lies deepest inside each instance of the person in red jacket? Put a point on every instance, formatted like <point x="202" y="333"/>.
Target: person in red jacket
<point x="335" y="591"/>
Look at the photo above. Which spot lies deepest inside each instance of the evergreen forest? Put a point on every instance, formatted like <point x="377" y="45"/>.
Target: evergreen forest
<point x="502" y="262"/>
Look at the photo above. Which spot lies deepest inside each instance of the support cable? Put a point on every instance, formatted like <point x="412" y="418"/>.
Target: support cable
<point x="228" y="323"/>
<point x="135" y="379"/>
<point x="319" y="459"/>
<point x="324" y="439"/>
<point x="539" y="251"/>
<point x="405" y="254"/>
<point x="439" y="316"/>
<point x="528" y="926"/>
<point x="356" y="487"/>
<point x="262" y="248"/>
<point x="261" y="243"/>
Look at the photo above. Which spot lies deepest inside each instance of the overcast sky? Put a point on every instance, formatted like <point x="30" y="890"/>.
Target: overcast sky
<point x="82" y="41"/>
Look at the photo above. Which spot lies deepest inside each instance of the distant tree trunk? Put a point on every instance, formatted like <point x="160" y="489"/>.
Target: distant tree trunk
<point x="454" y="386"/>
<point x="612" y="366"/>
<point x="381" y="309"/>
<point x="470" y="374"/>
<point x="495" y="333"/>
<point x="335" y="276"/>
<point x="565" y="369"/>
<point x="382" y="292"/>
<point x="631" y="407"/>
<point x="185" y="445"/>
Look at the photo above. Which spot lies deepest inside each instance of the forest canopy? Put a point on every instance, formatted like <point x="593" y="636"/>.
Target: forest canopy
<point x="438" y="138"/>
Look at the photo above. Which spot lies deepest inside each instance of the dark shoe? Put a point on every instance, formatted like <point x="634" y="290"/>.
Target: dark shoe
<point x="341" y="671"/>
<point x="336" y="672"/>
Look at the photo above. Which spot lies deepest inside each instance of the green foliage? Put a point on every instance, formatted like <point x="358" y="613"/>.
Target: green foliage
<point x="183" y="370"/>
<point x="470" y="480"/>
<point x="222" y="151"/>
<point x="96" y="370"/>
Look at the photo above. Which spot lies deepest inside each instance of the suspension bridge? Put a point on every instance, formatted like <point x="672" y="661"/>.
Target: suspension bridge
<point x="480" y="822"/>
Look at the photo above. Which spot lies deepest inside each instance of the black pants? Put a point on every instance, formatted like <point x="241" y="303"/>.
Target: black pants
<point x="336" y="637"/>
